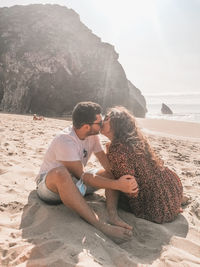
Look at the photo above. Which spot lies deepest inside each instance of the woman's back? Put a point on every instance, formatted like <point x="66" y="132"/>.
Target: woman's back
<point x="160" y="189"/>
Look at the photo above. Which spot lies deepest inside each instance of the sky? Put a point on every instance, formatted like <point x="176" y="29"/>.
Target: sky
<point x="158" y="41"/>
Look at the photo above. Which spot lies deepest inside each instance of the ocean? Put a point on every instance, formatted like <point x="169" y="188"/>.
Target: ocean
<point x="185" y="107"/>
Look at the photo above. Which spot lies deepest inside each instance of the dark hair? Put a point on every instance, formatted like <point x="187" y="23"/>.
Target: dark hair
<point x="125" y="130"/>
<point x="85" y="112"/>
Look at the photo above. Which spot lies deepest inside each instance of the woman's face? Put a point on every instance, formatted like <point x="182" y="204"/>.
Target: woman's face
<point x="106" y="129"/>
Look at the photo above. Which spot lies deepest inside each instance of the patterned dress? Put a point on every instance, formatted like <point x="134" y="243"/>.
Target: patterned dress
<point x="160" y="189"/>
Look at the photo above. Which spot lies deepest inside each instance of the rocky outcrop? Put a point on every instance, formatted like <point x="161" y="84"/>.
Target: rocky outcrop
<point x="165" y="109"/>
<point x="137" y="103"/>
<point x="49" y="61"/>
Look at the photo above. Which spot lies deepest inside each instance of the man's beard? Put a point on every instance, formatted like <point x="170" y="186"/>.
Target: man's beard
<point x="92" y="132"/>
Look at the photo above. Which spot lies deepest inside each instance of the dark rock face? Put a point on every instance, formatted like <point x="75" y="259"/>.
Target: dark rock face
<point x="137" y="103"/>
<point x="49" y="61"/>
<point x="165" y="109"/>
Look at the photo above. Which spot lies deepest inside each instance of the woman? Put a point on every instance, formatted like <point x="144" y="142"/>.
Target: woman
<point x="160" y="189"/>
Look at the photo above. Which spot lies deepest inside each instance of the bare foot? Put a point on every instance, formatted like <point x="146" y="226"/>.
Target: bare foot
<point x="116" y="220"/>
<point x="185" y="200"/>
<point x="116" y="233"/>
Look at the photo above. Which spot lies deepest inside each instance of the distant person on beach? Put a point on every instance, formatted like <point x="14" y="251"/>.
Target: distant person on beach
<point x="62" y="176"/>
<point x="37" y="118"/>
<point x="159" y="189"/>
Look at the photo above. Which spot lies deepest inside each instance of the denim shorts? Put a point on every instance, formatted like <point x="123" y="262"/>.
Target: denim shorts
<point x="53" y="198"/>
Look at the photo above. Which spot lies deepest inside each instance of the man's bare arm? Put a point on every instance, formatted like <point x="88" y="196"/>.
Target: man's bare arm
<point x="101" y="156"/>
<point x="74" y="167"/>
<point x="125" y="183"/>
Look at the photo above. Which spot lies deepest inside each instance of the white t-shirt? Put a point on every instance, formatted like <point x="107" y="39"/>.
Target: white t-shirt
<point x="66" y="146"/>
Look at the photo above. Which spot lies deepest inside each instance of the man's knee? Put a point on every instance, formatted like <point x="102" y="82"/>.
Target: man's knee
<point x="56" y="177"/>
<point x="61" y="174"/>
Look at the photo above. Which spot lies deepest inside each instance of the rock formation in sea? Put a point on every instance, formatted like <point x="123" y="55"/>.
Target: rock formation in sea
<point x="165" y="109"/>
<point x="49" y="61"/>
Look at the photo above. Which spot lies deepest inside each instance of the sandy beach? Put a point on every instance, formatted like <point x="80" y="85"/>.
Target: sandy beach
<point x="35" y="234"/>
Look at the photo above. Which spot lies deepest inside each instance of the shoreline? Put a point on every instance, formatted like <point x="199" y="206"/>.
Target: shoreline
<point x="159" y="127"/>
<point x="170" y="128"/>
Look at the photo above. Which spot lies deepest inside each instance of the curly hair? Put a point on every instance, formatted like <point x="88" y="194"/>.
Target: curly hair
<point x="126" y="131"/>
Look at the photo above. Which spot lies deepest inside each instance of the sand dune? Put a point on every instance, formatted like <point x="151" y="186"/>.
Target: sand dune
<point x="33" y="233"/>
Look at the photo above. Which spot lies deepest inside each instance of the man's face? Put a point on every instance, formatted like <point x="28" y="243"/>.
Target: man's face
<point x="95" y="127"/>
<point x="106" y="129"/>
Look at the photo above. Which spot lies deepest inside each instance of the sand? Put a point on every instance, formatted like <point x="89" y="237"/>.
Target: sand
<point x="33" y="233"/>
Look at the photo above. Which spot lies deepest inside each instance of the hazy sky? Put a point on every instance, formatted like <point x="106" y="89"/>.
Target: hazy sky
<point x="158" y="41"/>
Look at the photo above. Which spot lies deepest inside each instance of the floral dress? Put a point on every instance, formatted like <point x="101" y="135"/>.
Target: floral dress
<point x="160" y="189"/>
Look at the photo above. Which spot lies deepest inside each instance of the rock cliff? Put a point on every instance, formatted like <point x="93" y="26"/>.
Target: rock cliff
<point x="49" y="61"/>
<point x="165" y="109"/>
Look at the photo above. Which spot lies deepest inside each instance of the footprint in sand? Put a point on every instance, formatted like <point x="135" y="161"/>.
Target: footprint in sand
<point x="15" y="235"/>
<point x="180" y="252"/>
<point x="196" y="162"/>
<point x="196" y="208"/>
<point x="187" y="245"/>
<point x="2" y="171"/>
<point x="188" y="173"/>
<point x="12" y="207"/>
<point x="15" y="255"/>
<point x="197" y="212"/>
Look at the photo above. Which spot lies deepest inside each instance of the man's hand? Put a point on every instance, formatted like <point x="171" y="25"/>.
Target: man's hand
<point x="128" y="184"/>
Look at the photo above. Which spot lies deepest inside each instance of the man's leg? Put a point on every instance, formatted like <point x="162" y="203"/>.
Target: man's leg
<point x="59" y="181"/>
<point x="112" y="201"/>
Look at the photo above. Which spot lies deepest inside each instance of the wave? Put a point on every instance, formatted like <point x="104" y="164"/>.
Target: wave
<point x="189" y="117"/>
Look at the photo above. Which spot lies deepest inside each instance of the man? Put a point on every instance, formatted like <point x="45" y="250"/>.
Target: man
<point x="64" y="163"/>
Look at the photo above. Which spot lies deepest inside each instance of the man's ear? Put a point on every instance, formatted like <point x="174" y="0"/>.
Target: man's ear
<point x="85" y="127"/>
